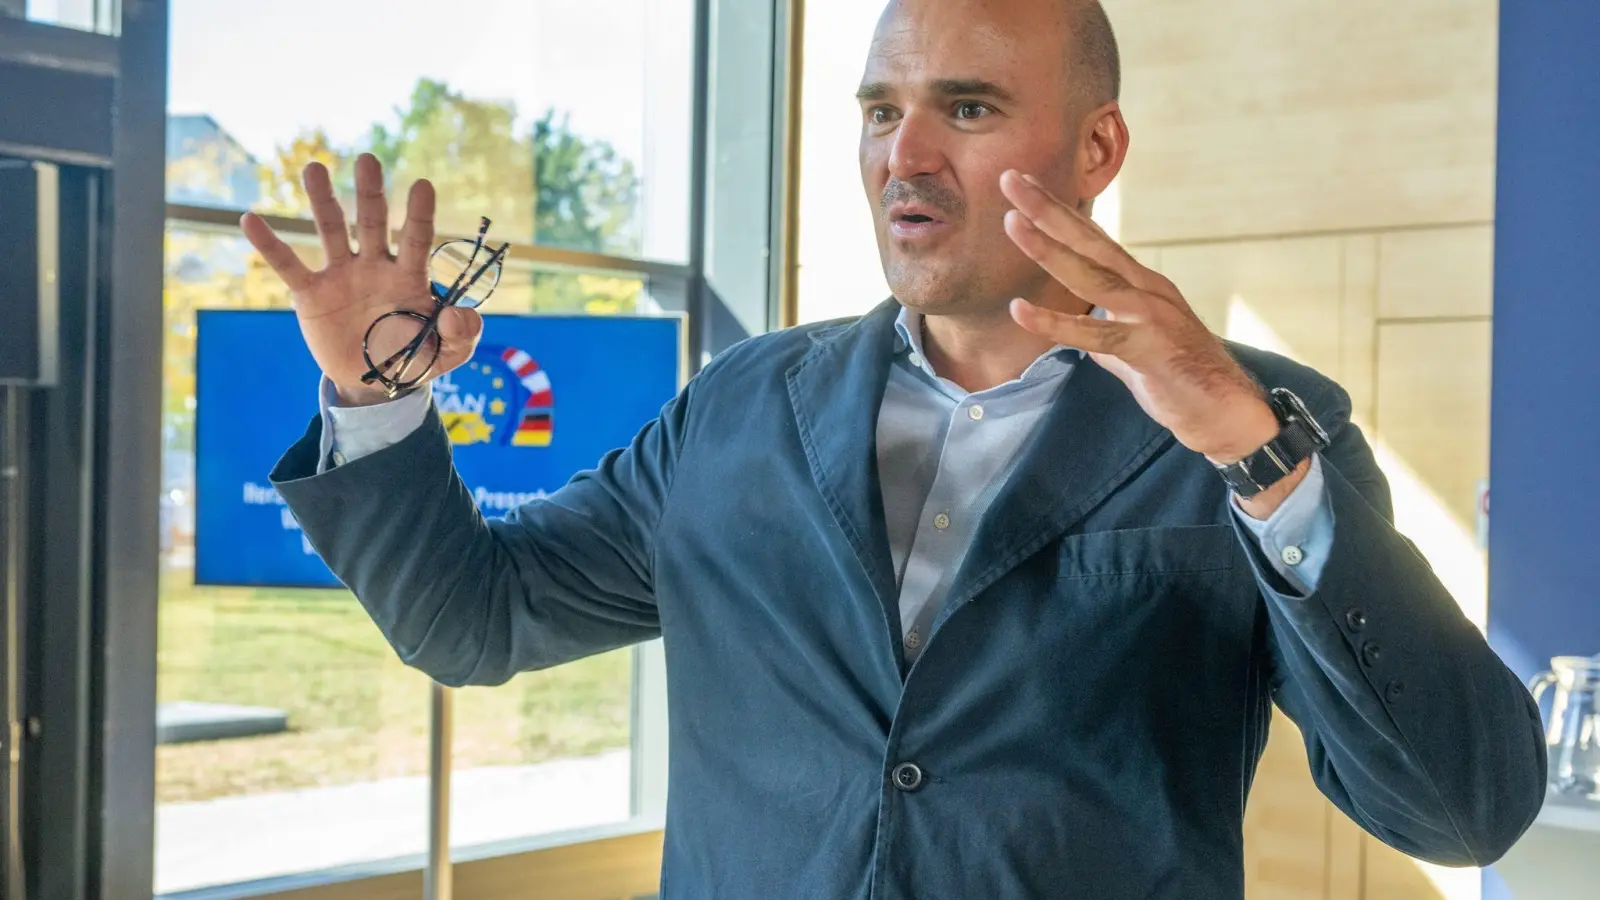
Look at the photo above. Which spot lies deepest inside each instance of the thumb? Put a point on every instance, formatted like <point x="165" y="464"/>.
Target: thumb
<point x="459" y="330"/>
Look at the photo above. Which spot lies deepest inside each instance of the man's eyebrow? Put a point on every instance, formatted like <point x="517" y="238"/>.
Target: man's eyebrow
<point x="948" y="87"/>
<point x="971" y="87"/>
<point x="877" y="90"/>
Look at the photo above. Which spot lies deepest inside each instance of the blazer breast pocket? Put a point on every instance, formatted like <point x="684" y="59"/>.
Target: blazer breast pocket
<point x="1188" y="550"/>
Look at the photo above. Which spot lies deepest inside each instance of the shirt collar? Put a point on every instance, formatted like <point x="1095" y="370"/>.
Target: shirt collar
<point x="908" y="325"/>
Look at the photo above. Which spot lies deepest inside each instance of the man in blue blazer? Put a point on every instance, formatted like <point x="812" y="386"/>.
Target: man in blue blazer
<point x="988" y="593"/>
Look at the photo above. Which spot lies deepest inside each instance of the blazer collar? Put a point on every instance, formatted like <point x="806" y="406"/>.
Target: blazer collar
<point x="836" y="390"/>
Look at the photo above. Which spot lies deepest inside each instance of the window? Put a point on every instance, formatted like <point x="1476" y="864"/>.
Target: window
<point x="294" y="739"/>
<point x="287" y="726"/>
<point x="840" y="273"/>
<point x="84" y="15"/>
<point x="559" y="120"/>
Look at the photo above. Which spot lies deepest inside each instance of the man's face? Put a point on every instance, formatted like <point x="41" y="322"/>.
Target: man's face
<point x="955" y="92"/>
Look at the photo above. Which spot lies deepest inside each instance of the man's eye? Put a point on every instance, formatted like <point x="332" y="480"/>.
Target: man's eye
<point x="971" y="109"/>
<point x="880" y="115"/>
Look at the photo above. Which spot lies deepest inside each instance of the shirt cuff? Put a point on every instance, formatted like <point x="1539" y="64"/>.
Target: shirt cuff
<point x="351" y="432"/>
<point x="1298" y="537"/>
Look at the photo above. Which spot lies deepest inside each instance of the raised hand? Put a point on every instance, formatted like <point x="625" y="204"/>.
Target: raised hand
<point x="1181" y="374"/>
<point x="338" y="303"/>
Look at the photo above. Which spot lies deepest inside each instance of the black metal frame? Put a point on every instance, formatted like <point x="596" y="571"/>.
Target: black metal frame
<point x="90" y="468"/>
<point x="68" y="72"/>
<point x="695" y="290"/>
<point x="127" y="577"/>
<point x="60" y="650"/>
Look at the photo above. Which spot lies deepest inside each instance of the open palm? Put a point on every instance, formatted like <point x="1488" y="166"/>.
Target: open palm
<point x="336" y="305"/>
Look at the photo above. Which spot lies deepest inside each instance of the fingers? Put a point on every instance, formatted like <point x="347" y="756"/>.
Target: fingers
<point x="459" y="330"/>
<point x="416" y="237"/>
<point x="280" y="256"/>
<point x="1086" y="333"/>
<point x="1081" y="275"/>
<point x="1071" y="228"/>
<point x="328" y="214"/>
<point x="372" y="207"/>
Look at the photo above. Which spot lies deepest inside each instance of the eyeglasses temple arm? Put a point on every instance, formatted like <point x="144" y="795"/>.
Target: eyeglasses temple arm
<point x="488" y="264"/>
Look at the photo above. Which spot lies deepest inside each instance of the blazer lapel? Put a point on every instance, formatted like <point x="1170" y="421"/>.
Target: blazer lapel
<point x="1094" y="438"/>
<point x="836" y="391"/>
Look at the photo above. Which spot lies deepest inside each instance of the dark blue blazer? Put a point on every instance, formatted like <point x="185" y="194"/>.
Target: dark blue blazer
<point x="1084" y="722"/>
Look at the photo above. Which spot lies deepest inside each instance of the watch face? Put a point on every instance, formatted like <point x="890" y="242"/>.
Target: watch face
<point x="1290" y="408"/>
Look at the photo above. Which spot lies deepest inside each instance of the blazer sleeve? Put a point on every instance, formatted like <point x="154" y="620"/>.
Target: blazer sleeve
<point x="470" y="600"/>
<point x="1414" y="727"/>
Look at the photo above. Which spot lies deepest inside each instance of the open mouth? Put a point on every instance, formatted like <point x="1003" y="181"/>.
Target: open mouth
<point x="907" y="224"/>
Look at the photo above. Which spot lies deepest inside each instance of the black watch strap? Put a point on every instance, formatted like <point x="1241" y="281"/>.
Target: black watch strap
<point x="1299" y="437"/>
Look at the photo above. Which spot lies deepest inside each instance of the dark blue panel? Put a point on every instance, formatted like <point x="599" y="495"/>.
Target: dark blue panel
<point x="543" y="399"/>
<point x="1544" y="549"/>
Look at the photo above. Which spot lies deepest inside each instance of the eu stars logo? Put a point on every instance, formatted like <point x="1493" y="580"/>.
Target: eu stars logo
<point x="500" y="397"/>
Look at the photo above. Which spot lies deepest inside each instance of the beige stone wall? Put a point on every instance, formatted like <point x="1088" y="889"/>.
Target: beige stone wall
<point x="1318" y="177"/>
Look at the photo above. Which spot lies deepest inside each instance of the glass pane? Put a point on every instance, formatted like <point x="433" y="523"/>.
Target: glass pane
<point x="338" y="773"/>
<point x="841" y="273"/>
<point x="549" y="751"/>
<point x="528" y="290"/>
<point x="544" y="753"/>
<point x="84" y="15"/>
<point x="343" y="780"/>
<point x="559" y="120"/>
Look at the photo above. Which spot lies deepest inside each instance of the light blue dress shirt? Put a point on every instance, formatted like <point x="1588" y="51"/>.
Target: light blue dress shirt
<point x="943" y="455"/>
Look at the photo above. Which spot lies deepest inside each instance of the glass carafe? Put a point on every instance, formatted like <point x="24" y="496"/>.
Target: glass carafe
<point x="1573" y="735"/>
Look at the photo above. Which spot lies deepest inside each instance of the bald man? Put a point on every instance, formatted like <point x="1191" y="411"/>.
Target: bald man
<point x="988" y="593"/>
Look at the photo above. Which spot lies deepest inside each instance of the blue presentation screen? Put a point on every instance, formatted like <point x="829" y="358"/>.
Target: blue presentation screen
<point x="544" y="398"/>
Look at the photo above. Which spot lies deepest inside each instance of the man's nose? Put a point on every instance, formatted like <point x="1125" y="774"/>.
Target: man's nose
<point x="915" y="149"/>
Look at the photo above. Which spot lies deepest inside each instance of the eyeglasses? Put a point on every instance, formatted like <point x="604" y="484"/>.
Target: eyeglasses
<point x="460" y="273"/>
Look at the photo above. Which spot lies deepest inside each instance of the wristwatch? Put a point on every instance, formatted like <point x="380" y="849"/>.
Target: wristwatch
<point x="1299" y="436"/>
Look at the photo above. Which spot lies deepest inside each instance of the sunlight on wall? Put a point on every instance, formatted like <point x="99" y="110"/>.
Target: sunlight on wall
<point x="1108" y="209"/>
<point x="1419" y="513"/>
<point x="1452" y="550"/>
<point x="1452" y="884"/>
<point x="1244" y="326"/>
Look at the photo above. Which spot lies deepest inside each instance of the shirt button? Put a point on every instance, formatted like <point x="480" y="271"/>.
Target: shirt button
<point x="916" y="360"/>
<point x="913" y="640"/>
<point x="907" y="776"/>
<point x="338" y="458"/>
<point x="941" y="521"/>
<point x="1293" y="555"/>
<point x="975" y="412"/>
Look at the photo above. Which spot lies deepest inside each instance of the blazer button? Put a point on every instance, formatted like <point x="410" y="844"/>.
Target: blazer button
<point x="907" y="776"/>
<point x="1397" y="689"/>
<point x="1371" y="653"/>
<point x="1356" y="619"/>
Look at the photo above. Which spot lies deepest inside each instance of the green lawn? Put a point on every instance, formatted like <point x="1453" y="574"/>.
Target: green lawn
<point x="355" y="712"/>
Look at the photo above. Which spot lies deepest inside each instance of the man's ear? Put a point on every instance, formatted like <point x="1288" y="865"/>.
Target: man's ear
<point x="1102" y="149"/>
